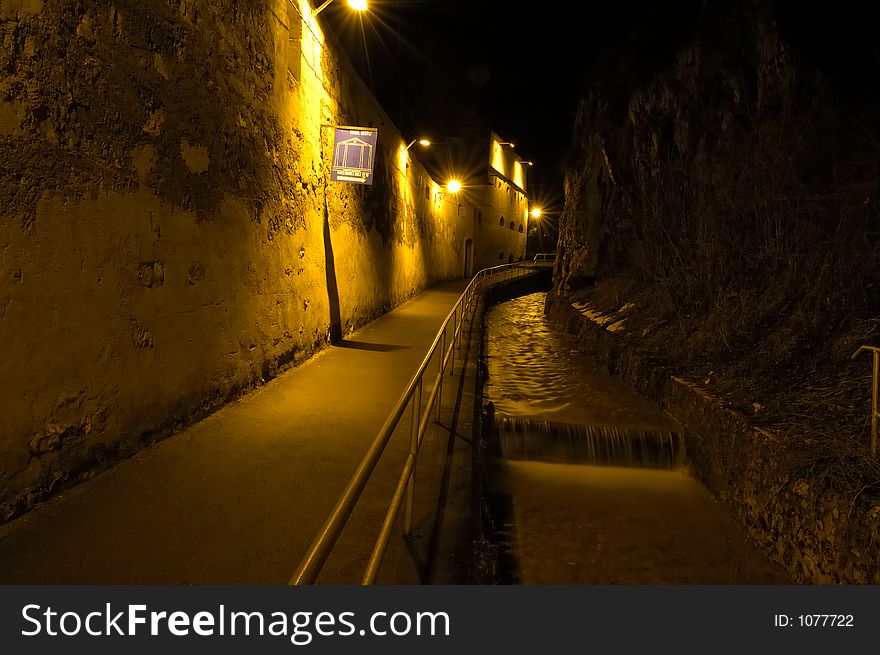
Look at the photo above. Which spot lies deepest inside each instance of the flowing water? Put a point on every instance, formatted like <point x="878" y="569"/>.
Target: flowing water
<point x="595" y="474"/>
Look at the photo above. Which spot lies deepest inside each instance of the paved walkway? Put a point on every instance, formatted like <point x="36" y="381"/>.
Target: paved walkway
<point x="238" y="497"/>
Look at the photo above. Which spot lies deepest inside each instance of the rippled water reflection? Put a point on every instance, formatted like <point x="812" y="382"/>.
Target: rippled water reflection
<point x="535" y="373"/>
<point x="639" y="517"/>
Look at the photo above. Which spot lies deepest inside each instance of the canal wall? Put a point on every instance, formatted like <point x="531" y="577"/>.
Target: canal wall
<point x="169" y="236"/>
<point x="489" y="559"/>
<point x="820" y="531"/>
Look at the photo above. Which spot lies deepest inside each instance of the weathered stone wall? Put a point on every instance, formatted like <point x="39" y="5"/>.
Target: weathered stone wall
<point x="820" y="532"/>
<point x="495" y="236"/>
<point x="168" y="233"/>
<point x="721" y="213"/>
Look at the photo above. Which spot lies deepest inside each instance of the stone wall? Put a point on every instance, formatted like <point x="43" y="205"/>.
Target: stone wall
<point x="168" y="233"/>
<point x="497" y="241"/>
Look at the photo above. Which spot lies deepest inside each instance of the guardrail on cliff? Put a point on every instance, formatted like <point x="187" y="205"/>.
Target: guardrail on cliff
<point x="545" y="259"/>
<point x="322" y="546"/>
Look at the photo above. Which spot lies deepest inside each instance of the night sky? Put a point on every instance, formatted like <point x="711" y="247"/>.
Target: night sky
<point x="453" y="68"/>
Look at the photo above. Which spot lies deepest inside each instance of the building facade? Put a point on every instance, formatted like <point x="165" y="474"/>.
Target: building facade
<point x="492" y="205"/>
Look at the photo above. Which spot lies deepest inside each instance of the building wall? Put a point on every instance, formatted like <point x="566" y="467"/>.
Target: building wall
<point x="501" y="234"/>
<point x="168" y="233"/>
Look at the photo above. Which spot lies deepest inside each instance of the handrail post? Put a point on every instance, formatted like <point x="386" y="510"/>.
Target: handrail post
<point x="454" y="341"/>
<point x="440" y="373"/>
<point x="414" y="451"/>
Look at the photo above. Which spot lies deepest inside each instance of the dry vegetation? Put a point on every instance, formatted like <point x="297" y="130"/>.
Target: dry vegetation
<point x="756" y="275"/>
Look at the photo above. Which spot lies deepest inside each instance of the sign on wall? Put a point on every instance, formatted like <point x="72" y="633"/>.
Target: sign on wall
<point x="354" y="153"/>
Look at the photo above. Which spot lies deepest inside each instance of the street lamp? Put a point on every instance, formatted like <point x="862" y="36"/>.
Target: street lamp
<point x="507" y="143"/>
<point x="421" y="142"/>
<point x="359" y="5"/>
<point x="526" y="163"/>
<point x="453" y="186"/>
<point x="536" y="212"/>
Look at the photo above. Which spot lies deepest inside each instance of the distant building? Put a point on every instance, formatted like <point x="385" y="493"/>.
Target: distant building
<point x="493" y="203"/>
<point x="503" y="207"/>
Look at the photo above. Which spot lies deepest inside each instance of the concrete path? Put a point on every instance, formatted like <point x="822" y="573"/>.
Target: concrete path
<point x="237" y="498"/>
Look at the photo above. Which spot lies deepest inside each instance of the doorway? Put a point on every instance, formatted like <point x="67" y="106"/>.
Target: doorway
<point x="469" y="258"/>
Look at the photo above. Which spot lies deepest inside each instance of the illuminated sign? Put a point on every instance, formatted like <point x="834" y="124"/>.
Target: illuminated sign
<point x="354" y="153"/>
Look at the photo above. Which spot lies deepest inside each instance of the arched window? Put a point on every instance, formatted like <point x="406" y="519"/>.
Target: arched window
<point x="520" y="228"/>
<point x="512" y="225"/>
<point x="501" y="221"/>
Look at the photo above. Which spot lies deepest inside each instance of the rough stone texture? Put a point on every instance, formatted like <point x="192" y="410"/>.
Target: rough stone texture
<point x="821" y="535"/>
<point x="730" y="158"/>
<point x="168" y="233"/>
<point x="721" y="219"/>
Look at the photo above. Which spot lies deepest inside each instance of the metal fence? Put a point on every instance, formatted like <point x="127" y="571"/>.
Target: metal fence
<point x="445" y="343"/>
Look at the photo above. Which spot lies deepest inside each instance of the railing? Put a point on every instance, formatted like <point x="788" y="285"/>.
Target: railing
<point x="875" y="415"/>
<point x="322" y="546"/>
<point x="544" y="259"/>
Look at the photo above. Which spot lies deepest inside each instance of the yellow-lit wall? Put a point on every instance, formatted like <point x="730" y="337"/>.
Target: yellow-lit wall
<point x="163" y="198"/>
<point x="504" y="202"/>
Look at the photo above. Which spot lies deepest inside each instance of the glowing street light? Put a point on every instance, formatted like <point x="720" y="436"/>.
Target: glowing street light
<point x="507" y="143"/>
<point x="536" y="212"/>
<point x="359" y="5"/>
<point x="526" y="163"/>
<point x="421" y="142"/>
<point x="453" y="186"/>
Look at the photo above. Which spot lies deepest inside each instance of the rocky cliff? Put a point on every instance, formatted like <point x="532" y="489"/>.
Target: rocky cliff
<point x="722" y="207"/>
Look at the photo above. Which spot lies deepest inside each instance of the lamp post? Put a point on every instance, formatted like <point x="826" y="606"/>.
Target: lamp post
<point x="359" y="5"/>
<point x="421" y="142"/>
<point x="535" y="214"/>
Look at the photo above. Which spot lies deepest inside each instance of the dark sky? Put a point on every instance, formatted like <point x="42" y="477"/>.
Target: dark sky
<point x="445" y="67"/>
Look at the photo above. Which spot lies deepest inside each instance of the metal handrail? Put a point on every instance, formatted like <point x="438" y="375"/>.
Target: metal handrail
<point x="544" y="258"/>
<point x="322" y="545"/>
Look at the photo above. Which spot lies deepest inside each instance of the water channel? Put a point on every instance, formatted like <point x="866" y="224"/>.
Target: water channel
<point x="598" y="488"/>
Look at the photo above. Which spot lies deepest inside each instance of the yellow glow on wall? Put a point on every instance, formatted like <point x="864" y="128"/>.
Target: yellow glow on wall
<point x="497" y="159"/>
<point x="518" y="177"/>
<point x="312" y="39"/>
<point x="402" y="159"/>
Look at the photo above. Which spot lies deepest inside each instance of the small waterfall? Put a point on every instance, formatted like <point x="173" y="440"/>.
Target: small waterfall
<point x="550" y="441"/>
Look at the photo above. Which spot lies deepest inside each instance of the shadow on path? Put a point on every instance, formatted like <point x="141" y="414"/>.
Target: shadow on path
<point x="374" y="347"/>
<point x="332" y="287"/>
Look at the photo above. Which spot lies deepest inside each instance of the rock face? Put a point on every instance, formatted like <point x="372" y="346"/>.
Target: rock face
<point x="730" y="159"/>
<point x="734" y="184"/>
<point x="168" y="233"/>
<point x="722" y="206"/>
